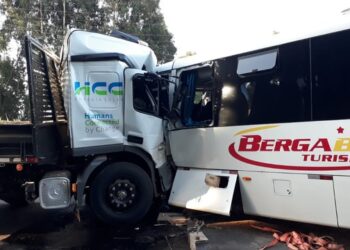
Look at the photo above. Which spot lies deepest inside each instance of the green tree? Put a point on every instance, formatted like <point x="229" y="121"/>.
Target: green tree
<point x="12" y="90"/>
<point x="13" y="98"/>
<point x="47" y="21"/>
<point x="144" y="19"/>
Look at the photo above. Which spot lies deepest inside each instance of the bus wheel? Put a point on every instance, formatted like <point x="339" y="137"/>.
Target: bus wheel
<point x="122" y="193"/>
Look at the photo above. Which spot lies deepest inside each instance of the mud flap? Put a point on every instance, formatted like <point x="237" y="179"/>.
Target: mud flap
<point x="204" y="190"/>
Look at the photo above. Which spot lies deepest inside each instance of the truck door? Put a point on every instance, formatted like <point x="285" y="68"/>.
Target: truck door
<point x="145" y="105"/>
<point x="96" y="104"/>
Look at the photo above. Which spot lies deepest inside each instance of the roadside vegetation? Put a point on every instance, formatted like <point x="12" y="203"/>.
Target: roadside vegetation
<point x="48" y="21"/>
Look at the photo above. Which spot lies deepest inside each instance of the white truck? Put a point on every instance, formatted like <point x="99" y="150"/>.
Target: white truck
<point x="96" y="129"/>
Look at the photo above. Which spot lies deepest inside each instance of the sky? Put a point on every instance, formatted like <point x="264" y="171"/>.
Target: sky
<point x="204" y="25"/>
<point x="200" y="25"/>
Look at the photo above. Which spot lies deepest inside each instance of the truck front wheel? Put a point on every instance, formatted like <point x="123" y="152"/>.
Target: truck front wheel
<point x="122" y="193"/>
<point x="15" y="197"/>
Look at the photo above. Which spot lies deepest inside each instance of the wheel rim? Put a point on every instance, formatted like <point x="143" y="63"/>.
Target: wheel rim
<point x="121" y="194"/>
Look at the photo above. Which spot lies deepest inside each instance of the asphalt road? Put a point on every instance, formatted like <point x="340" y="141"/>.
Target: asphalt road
<point x="34" y="228"/>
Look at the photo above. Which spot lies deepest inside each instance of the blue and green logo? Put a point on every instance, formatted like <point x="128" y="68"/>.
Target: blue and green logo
<point x="98" y="88"/>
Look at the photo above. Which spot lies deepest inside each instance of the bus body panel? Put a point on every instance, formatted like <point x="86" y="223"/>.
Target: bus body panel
<point x="341" y="190"/>
<point x="195" y="189"/>
<point x="320" y="147"/>
<point x="296" y="197"/>
<point x="280" y="112"/>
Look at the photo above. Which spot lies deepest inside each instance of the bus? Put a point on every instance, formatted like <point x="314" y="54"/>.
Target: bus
<point x="265" y="125"/>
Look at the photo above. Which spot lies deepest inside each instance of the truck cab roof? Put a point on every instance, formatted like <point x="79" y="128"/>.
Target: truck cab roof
<point x="79" y="42"/>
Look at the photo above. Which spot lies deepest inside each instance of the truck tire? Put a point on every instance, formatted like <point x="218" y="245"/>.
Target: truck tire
<point x="122" y="193"/>
<point x="15" y="197"/>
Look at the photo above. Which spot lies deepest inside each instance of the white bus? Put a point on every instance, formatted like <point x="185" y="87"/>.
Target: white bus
<point x="269" y="124"/>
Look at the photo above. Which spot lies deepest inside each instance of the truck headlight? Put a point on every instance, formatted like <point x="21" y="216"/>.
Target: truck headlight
<point x="54" y="190"/>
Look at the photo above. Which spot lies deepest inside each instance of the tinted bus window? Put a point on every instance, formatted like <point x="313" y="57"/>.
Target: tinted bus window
<point x="331" y="76"/>
<point x="265" y="60"/>
<point x="281" y="94"/>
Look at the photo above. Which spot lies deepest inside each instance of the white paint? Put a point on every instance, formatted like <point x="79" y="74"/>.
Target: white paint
<point x="280" y="186"/>
<point x="310" y="200"/>
<point x="86" y="127"/>
<point x="190" y="190"/>
<point x="341" y="189"/>
<point x="97" y="118"/>
<point x="146" y="126"/>
<point x="208" y="148"/>
<point x="82" y="42"/>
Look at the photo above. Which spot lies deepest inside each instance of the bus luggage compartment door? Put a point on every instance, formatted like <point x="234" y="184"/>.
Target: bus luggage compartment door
<point x="204" y="190"/>
<point x="306" y="198"/>
<point x="342" y="198"/>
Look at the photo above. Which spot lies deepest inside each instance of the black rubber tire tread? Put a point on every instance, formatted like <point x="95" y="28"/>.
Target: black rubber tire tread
<point x="106" y="177"/>
<point x="15" y="197"/>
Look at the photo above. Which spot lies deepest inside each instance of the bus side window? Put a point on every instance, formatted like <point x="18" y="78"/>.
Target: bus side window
<point x="331" y="76"/>
<point x="257" y="62"/>
<point x="197" y="101"/>
<point x="271" y="86"/>
<point x="234" y="97"/>
<point x="282" y="94"/>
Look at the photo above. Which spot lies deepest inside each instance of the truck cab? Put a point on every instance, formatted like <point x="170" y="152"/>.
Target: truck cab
<point x="96" y="130"/>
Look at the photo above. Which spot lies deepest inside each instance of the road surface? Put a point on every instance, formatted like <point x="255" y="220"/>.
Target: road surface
<point x="34" y="228"/>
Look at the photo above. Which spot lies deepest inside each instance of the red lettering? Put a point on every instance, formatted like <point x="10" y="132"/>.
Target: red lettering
<point x="322" y="143"/>
<point x="326" y="157"/>
<point x="343" y="158"/>
<point x="315" y="158"/>
<point x="335" y="158"/>
<point x="305" y="157"/>
<point x="283" y="144"/>
<point x="250" y="143"/>
<point x="298" y="146"/>
<point x="267" y="145"/>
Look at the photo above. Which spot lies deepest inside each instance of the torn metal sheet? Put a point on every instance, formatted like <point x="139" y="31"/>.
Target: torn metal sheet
<point x="176" y="219"/>
<point x="213" y="190"/>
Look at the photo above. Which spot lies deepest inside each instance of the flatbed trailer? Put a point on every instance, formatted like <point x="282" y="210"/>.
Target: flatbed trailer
<point x="39" y="141"/>
<point x="15" y="142"/>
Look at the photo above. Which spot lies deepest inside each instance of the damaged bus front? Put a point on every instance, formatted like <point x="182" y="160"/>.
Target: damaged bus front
<point x="265" y="127"/>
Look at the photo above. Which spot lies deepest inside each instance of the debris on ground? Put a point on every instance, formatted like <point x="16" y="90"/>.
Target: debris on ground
<point x="225" y="224"/>
<point x="194" y="226"/>
<point x="175" y="219"/>
<point x="4" y="236"/>
<point x="194" y="237"/>
<point x="300" y="241"/>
